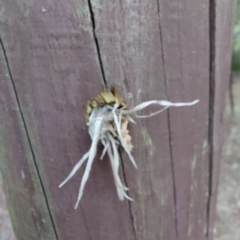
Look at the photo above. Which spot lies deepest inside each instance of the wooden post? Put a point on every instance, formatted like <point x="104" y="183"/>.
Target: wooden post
<point x="55" y="55"/>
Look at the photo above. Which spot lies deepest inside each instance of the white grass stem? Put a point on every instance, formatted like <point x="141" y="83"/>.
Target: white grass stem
<point x="124" y="145"/>
<point x="106" y="146"/>
<point x="92" y="154"/>
<point x="74" y="170"/>
<point x="115" y="167"/>
<point x="158" y="102"/>
<point x="115" y="175"/>
<point x="152" y="114"/>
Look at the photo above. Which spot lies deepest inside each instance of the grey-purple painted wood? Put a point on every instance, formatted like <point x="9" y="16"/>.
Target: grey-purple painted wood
<point x="224" y="19"/>
<point x="186" y="54"/>
<point x="26" y="201"/>
<point x="55" y="56"/>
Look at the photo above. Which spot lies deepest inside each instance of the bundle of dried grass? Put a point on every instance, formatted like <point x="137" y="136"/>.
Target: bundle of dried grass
<point x="107" y="119"/>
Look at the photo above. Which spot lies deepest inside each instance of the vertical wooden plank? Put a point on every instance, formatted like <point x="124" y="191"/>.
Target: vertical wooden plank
<point x="222" y="26"/>
<point x="130" y="44"/>
<point x="55" y="69"/>
<point x="160" y="50"/>
<point x="27" y="205"/>
<point x="59" y="53"/>
<point x="185" y="34"/>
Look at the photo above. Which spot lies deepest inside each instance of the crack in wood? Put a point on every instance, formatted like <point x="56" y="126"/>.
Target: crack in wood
<point x="212" y="38"/>
<point x="169" y="124"/>
<point x="106" y="86"/>
<point x="179" y="45"/>
<point x="27" y="135"/>
<point x="172" y="171"/>
<point x="97" y="43"/>
<point x="85" y="221"/>
<point x="129" y="202"/>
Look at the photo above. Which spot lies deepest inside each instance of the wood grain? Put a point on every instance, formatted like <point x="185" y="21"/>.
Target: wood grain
<point x="57" y="55"/>
<point x="56" y="70"/>
<point x="130" y="44"/>
<point x="224" y="20"/>
<point x="160" y="50"/>
<point x="27" y="204"/>
<point x="186" y="52"/>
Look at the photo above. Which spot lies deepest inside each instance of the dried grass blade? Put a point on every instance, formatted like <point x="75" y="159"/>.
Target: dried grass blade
<point x="92" y="154"/>
<point x="74" y="170"/>
<point x="124" y="145"/>
<point x="115" y="174"/>
<point x="151" y="114"/>
<point x="115" y="166"/>
<point x="158" y="102"/>
<point x="106" y="146"/>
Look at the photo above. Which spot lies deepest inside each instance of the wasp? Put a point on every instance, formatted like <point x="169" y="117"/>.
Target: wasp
<point x="108" y="96"/>
<point x="107" y="118"/>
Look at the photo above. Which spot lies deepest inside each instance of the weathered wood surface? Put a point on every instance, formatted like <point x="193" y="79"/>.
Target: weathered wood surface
<point x="55" y="56"/>
<point x="224" y="18"/>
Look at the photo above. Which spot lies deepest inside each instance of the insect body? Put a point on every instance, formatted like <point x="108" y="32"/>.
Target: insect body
<point x="109" y="96"/>
<point x="107" y="118"/>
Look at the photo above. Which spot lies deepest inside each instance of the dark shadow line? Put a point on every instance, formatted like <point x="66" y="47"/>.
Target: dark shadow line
<point x="212" y="54"/>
